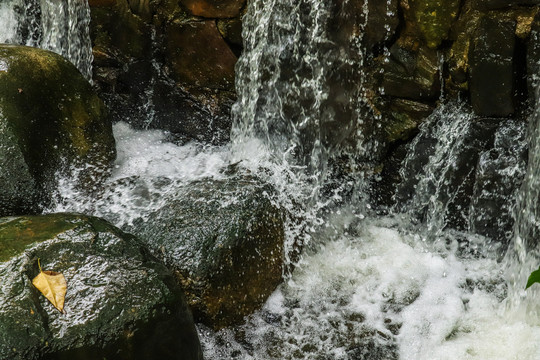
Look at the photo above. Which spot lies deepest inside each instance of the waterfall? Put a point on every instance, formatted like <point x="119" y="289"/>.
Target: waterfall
<point x="426" y="286"/>
<point x="299" y="82"/>
<point x="432" y="165"/>
<point x="59" y="26"/>
<point x="527" y="229"/>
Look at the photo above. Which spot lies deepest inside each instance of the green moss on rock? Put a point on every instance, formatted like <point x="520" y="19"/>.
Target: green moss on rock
<point x="120" y="303"/>
<point x="51" y="120"/>
<point x="18" y="232"/>
<point x="435" y="17"/>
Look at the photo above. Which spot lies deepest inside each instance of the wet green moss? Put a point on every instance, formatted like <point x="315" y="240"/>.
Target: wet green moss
<point x="54" y="119"/>
<point x="435" y="17"/>
<point x="17" y="233"/>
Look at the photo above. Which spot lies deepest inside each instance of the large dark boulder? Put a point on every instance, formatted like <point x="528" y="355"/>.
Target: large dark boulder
<point x="51" y="121"/>
<point x="225" y="241"/>
<point x="492" y="77"/>
<point x="120" y="302"/>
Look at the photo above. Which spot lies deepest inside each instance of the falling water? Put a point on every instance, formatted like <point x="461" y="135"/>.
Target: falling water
<point x="299" y="84"/>
<point x="431" y="164"/>
<point x="59" y="26"/>
<point x="396" y="287"/>
<point x="524" y="256"/>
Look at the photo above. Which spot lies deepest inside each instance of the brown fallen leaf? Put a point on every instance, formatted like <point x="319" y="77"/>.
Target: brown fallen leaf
<point x="53" y="286"/>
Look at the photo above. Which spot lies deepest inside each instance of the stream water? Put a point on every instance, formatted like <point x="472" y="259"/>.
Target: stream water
<point x="404" y="285"/>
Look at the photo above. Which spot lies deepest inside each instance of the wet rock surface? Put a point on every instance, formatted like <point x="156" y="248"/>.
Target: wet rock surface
<point x="411" y="74"/>
<point x="120" y="302"/>
<point x="452" y="184"/>
<point x="434" y="19"/>
<point x="499" y="175"/>
<point x="151" y="70"/>
<point x="224" y="239"/>
<point x="492" y="78"/>
<point x="50" y="120"/>
<point x="210" y="67"/>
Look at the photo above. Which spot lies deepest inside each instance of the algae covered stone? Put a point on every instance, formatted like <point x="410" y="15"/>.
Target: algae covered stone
<point x="51" y="121"/>
<point x="120" y="303"/>
<point x="434" y="18"/>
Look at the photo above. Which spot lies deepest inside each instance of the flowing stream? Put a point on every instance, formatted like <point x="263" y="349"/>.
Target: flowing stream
<point x="439" y="277"/>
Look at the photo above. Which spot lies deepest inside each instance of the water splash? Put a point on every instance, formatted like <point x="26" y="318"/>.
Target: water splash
<point x="59" y="26"/>
<point x="148" y="167"/>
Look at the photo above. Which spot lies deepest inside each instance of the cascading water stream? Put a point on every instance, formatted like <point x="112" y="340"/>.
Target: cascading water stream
<point x="365" y="287"/>
<point x="299" y="85"/>
<point x="59" y="26"/>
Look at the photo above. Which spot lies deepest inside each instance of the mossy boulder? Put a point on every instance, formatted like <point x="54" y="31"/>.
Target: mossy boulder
<point x="225" y="241"/>
<point x="120" y="302"/>
<point x="51" y="121"/>
<point x="434" y="18"/>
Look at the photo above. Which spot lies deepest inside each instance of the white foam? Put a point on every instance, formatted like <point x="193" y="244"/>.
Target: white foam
<point x="149" y="154"/>
<point x="351" y="289"/>
<point x="147" y="168"/>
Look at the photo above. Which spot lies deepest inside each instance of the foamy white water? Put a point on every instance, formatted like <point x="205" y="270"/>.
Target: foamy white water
<point x="376" y="292"/>
<point x="365" y="287"/>
<point x="147" y="169"/>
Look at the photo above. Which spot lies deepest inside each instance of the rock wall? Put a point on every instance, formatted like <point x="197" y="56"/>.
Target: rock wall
<point x="168" y="64"/>
<point x="477" y="51"/>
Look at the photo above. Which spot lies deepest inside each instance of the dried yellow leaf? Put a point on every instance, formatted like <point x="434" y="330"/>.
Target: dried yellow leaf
<point x="53" y="286"/>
